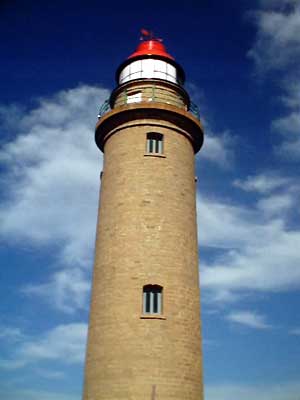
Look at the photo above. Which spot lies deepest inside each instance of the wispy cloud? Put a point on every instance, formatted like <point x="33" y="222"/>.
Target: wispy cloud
<point x="276" y="204"/>
<point x="277" y="50"/>
<point x="31" y="394"/>
<point x="278" y="33"/>
<point x="52" y="185"/>
<point x="262" y="183"/>
<point x="289" y="124"/>
<point x="52" y="170"/>
<point x="218" y="148"/>
<point x="295" y="331"/>
<point x="248" y="318"/>
<point x="281" y="391"/>
<point x="289" y="128"/>
<point x="256" y="249"/>
<point x="10" y="334"/>
<point x="48" y="374"/>
<point x="280" y="4"/>
<point x="67" y="290"/>
<point x="65" y="344"/>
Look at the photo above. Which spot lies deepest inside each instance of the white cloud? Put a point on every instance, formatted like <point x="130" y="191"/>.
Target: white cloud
<point x="47" y="374"/>
<point x="276" y="204"/>
<point x="257" y="252"/>
<point x="248" y="318"/>
<point x="289" y="150"/>
<point x="10" y="333"/>
<point x="289" y="128"/>
<point x="289" y="124"/>
<point x="291" y="91"/>
<point x="10" y="365"/>
<point x="231" y="227"/>
<point x="220" y="296"/>
<point x="277" y="49"/>
<point x="277" y="44"/>
<point x="64" y="343"/>
<point x="256" y="249"/>
<point x="53" y="174"/>
<point x="67" y="290"/>
<point x="276" y="391"/>
<point x="295" y="331"/>
<point x="27" y="394"/>
<point x="52" y="185"/>
<point x="218" y="148"/>
<point x="277" y="3"/>
<point x="265" y="391"/>
<point x="262" y="183"/>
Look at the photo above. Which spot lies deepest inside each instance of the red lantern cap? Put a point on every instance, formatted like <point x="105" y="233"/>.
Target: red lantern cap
<point x="150" y="46"/>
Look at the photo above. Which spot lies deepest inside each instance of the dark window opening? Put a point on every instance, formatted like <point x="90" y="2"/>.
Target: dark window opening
<point x="152" y="299"/>
<point x="154" y="142"/>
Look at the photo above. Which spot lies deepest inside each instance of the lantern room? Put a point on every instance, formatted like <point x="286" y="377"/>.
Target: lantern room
<point x="150" y="61"/>
<point x="151" y="79"/>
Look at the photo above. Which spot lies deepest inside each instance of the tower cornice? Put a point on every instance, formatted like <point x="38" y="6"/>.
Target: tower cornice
<point x="188" y="125"/>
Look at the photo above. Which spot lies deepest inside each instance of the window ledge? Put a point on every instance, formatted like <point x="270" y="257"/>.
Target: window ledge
<point x="154" y="155"/>
<point x="152" y="316"/>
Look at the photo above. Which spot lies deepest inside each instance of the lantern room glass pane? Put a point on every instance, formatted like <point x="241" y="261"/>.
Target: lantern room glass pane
<point x="171" y="70"/>
<point x="160" y="69"/>
<point x="136" y="75"/>
<point x="171" y="79"/>
<point x="160" y="75"/>
<point x="125" y="73"/>
<point x="160" y="66"/>
<point x="147" y="68"/>
<point x="136" y="66"/>
<point x="171" y="73"/>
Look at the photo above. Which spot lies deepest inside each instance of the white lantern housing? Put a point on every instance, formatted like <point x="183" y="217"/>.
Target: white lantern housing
<point x="150" y="61"/>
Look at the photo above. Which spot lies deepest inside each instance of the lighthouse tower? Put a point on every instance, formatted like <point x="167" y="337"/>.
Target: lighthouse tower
<point x="144" y="340"/>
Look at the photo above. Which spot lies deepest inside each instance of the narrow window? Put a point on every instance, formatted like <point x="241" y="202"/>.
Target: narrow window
<point x="154" y="142"/>
<point x="152" y="299"/>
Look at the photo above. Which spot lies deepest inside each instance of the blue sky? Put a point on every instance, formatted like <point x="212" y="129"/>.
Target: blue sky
<point x="242" y="60"/>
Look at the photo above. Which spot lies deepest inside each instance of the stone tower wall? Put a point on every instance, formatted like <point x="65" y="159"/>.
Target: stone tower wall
<point x="146" y="235"/>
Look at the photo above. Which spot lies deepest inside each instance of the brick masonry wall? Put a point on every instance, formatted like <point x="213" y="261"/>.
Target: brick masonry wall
<point x="146" y="235"/>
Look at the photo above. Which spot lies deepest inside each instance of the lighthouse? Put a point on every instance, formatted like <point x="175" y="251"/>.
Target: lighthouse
<point x="144" y="339"/>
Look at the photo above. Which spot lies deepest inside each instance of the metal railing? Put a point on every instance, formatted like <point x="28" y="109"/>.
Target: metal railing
<point x="104" y="108"/>
<point x="194" y="109"/>
<point x="150" y="93"/>
<point x="144" y="93"/>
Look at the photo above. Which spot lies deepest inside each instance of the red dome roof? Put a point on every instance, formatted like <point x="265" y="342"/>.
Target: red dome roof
<point x="151" y="47"/>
